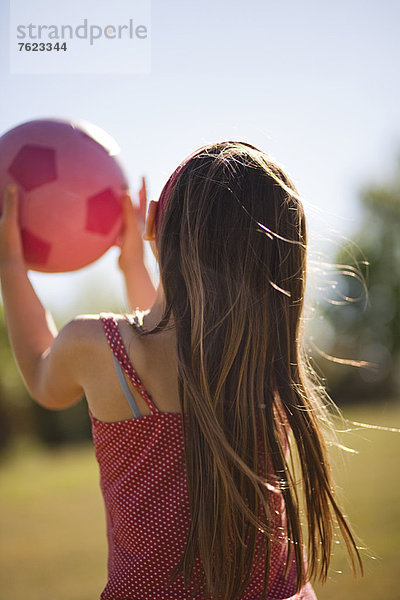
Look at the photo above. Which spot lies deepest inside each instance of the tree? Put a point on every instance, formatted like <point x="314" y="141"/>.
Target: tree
<point x="364" y="309"/>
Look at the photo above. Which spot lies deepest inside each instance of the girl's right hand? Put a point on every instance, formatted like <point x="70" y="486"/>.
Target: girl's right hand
<point x="11" y="249"/>
<point x="132" y="232"/>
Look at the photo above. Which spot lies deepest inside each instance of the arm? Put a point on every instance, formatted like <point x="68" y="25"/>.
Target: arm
<point x="139" y="287"/>
<point x="48" y="362"/>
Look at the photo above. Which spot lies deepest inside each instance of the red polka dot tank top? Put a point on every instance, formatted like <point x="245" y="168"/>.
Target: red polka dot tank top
<point x="143" y="482"/>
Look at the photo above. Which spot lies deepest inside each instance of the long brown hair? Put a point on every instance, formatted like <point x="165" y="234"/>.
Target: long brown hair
<point x="231" y="239"/>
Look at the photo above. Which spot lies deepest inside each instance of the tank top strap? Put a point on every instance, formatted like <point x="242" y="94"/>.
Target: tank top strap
<point x="114" y="339"/>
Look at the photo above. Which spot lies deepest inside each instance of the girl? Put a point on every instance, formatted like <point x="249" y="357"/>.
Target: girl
<point x="198" y="404"/>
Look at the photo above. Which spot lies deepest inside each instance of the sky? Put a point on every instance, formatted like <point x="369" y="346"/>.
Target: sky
<point x="315" y="84"/>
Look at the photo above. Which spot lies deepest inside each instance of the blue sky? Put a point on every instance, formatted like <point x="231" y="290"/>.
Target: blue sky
<point x="315" y="84"/>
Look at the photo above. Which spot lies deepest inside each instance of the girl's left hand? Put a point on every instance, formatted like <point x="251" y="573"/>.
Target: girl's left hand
<point x="11" y="249"/>
<point x="133" y="227"/>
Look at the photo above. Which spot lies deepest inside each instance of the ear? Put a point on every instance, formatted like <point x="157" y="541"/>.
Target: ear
<point x="150" y="227"/>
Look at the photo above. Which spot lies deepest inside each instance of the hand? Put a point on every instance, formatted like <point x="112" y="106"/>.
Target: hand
<point x="132" y="232"/>
<point x="11" y="249"/>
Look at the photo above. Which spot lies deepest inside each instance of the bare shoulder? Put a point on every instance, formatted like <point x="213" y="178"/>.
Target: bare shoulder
<point x="83" y="330"/>
<point x="153" y="358"/>
<point x="86" y="333"/>
<point x="63" y="368"/>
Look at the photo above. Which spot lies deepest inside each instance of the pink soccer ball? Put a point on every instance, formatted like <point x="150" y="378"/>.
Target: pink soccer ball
<point x="70" y="188"/>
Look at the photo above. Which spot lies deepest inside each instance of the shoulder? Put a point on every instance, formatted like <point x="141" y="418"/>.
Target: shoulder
<point x="75" y="343"/>
<point x="81" y="339"/>
<point x="71" y="365"/>
<point x="88" y="332"/>
<point x="61" y="369"/>
<point x="83" y="330"/>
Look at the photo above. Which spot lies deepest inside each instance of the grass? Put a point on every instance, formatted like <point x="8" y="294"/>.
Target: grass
<point x="52" y="524"/>
<point x="370" y="490"/>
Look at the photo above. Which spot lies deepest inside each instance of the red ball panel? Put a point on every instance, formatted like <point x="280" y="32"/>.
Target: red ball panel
<point x="103" y="212"/>
<point x="39" y="250"/>
<point x="33" y="166"/>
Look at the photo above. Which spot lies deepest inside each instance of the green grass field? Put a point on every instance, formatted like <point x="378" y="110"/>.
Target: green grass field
<point x="52" y="525"/>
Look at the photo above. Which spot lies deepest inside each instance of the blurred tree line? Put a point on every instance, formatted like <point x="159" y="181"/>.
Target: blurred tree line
<point x="362" y="314"/>
<point x="359" y="320"/>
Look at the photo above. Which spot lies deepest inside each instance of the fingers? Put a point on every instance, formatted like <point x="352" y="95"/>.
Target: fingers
<point x="131" y="216"/>
<point x="126" y="205"/>
<point x="127" y="209"/>
<point x="143" y="199"/>
<point x="10" y="203"/>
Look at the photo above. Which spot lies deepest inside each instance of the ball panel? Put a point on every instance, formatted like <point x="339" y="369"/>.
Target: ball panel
<point x="53" y="213"/>
<point x="33" y="166"/>
<point x="103" y="211"/>
<point x="36" y="250"/>
<point x="86" y="168"/>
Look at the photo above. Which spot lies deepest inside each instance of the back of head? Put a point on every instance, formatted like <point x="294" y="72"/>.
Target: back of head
<point x="230" y="221"/>
<point x="231" y="242"/>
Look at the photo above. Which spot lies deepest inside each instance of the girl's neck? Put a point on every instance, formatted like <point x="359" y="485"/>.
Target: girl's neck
<point x="154" y="316"/>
